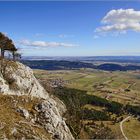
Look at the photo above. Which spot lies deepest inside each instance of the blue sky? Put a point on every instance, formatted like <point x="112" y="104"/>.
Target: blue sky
<point x="72" y="28"/>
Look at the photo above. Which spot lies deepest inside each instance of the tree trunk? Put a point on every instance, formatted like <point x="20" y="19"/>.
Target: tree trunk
<point x="13" y="55"/>
<point x="2" y="52"/>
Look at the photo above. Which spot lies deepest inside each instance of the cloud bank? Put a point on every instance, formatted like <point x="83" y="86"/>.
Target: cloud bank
<point x="44" y="44"/>
<point x="120" y="20"/>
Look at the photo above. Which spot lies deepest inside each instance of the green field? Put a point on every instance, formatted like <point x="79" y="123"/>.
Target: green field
<point x="118" y="86"/>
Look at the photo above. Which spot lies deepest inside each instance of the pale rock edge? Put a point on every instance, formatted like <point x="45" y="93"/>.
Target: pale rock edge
<point x="25" y="83"/>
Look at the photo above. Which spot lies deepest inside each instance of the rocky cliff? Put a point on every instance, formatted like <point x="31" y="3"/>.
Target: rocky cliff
<point x="39" y="114"/>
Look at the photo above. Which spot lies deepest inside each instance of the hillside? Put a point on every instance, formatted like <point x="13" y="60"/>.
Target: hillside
<point x="27" y="111"/>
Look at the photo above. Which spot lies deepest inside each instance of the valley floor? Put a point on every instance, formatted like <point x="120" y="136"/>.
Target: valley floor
<point x="118" y="86"/>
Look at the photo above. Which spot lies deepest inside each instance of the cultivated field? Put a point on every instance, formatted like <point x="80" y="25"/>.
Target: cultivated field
<point x="123" y="87"/>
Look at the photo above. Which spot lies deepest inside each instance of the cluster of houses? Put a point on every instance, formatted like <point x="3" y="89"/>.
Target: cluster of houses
<point x="58" y="82"/>
<point x="6" y="44"/>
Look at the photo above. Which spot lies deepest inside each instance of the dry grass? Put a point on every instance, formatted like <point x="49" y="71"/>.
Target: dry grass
<point x="98" y="108"/>
<point x="132" y="128"/>
<point x="11" y="120"/>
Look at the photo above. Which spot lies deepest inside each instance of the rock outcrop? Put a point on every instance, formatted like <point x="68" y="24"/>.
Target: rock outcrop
<point x="18" y="79"/>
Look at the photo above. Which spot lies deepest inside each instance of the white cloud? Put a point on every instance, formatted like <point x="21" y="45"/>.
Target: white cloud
<point x="65" y="36"/>
<point x="122" y="16"/>
<point x="45" y="44"/>
<point x="120" y="20"/>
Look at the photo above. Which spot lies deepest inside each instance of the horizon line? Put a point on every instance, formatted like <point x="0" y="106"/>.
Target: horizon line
<point x="90" y="56"/>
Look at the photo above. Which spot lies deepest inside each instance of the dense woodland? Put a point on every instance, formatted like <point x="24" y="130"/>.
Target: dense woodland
<point x="80" y="97"/>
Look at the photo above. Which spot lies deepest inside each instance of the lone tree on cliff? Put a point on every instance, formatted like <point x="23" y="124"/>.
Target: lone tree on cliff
<point x="7" y="44"/>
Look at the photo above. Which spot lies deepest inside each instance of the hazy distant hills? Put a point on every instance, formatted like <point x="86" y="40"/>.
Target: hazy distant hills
<point x="70" y="65"/>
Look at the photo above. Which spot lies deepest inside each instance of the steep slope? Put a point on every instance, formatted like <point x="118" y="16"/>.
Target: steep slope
<point x="29" y="100"/>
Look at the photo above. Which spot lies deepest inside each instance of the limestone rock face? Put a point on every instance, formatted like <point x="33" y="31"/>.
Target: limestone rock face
<point x="50" y="118"/>
<point x="18" y="79"/>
